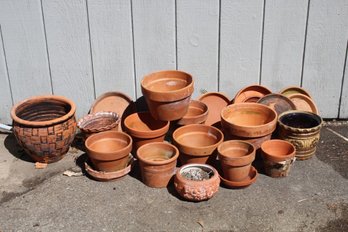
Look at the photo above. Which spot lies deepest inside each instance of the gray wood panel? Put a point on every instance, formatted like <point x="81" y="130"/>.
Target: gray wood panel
<point x="325" y="53"/>
<point x="69" y="51"/>
<point x="344" y="98"/>
<point x="240" y="46"/>
<point x="154" y="37"/>
<point x="283" y="43"/>
<point x="198" y="41"/>
<point x="112" y="46"/>
<point x="24" y="43"/>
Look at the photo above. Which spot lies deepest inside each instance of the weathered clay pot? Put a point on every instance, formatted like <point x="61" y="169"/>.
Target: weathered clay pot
<point x="197" y="143"/>
<point x="145" y="129"/>
<point x="302" y="129"/>
<point x="109" y="150"/>
<point x="278" y="157"/>
<point x="197" y="113"/>
<point x="236" y="157"/>
<point x="45" y="126"/>
<point x="167" y="94"/>
<point x="157" y="163"/>
<point x="248" y="120"/>
<point x="196" y="190"/>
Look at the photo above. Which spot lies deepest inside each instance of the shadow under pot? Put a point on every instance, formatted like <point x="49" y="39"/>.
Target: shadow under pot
<point x="236" y="157"/>
<point x="109" y="150"/>
<point x="167" y="94"/>
<point x="278" y="157"/>
<point x="197" y="143"/>
<point x="157" y="163"/>
<point x="44" y="126"/>
<point x="302" y="129"/>
<point x="145" y="129"/>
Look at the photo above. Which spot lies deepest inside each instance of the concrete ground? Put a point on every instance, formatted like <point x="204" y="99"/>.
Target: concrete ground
<point x="313" y="198"/>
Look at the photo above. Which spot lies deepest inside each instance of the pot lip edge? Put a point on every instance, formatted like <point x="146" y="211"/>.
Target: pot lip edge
<point x="300" y="129"/>
<point x="182" y="179"/>
<point x="158" y="163"/>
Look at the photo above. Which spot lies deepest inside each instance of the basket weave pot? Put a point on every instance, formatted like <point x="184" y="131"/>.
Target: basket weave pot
<point x="45" y="126"/>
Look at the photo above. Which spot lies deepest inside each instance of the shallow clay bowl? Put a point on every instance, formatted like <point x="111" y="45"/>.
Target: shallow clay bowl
<point x="294" y="90"/>
<point x="278" y="102"/>
<point x="216" y="102"/>
<point x="304" y="103"/>
<point x="251" y="93"/>
<point x="241" y="184"/>
<point x="197" y="113"/>
<point x="248" y="120"/>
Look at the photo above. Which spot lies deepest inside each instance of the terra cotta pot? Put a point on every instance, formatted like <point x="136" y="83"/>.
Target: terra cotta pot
<point x="197" y="113"/>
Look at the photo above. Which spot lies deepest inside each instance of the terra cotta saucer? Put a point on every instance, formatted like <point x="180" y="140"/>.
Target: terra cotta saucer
<point x="240" y="184"/>
<point x="215" y="102"/>
<point x="280" y="103"/>
<point x="251" y="93"/>
<point x="294" y="90"/>
<point x="304" y="103"/>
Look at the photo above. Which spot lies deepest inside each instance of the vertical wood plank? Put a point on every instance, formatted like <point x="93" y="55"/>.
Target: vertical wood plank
<point x="241" y="32"/>
<point x="197" y="42"/>
<point x="344" y="97"/>
<point x="283" y="43"/>
<point x="154" y="37"/>
<point x="69" y="51"/>
<point x="5" y="93"/>
<point x="25" y="46"/>
<point x="112" y="47"/>
<point x="325" y="53"/>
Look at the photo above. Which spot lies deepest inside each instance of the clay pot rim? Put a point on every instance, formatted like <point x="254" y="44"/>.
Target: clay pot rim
<point x="245" y="158"/>
<point x="315" y="128"/>
<point x="201" y="117"/>
<point x="80" y="123"/>
<point x="253" y="174"/>
<point x="181" y="178"/>
<point x="301" y="90"/>
<point x="309" y="100"/>
<point x="105" y="135"/>
<point x="250" y="87"/>
<point x="150" y="133"/>
<point x="41" y="98"/>
<point x="156" y="163"/>
<point x="273" y="121"/>
<point x="200" y="147"/>
<point x="274" y="157"/>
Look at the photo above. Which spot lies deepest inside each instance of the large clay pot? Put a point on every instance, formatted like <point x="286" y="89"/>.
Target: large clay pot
<point x="197" y="113"/>
<point x="197" y="190"/>
<point x="278" y="157"/>
<point x="109" y="150"/>
<point x="302" y="129"/>
<point x="157" y="163"/>
<point x="45" y="126"/>
<point x="236" y="157"/>
<point x="167" y="94"/>
<point x="248" y="120"/>
<point x="197" y="143"/>
<point x="145" y="129"/>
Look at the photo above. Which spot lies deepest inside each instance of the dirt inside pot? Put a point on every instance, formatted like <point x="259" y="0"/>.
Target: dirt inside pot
<point x="197" y="173"/>
<point x="300" y="120"/>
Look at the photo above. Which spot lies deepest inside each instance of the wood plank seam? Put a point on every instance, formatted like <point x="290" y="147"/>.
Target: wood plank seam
<point x="6" y="66"/>
<point x="305" y="42"/>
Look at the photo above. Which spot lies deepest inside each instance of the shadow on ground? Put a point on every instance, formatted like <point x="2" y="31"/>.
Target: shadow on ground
<point x="15" y="149"/>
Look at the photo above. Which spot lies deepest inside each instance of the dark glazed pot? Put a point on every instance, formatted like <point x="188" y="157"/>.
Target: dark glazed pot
<point x="302" y="129"/>
<point x="45" y="126"/>
<point x="167" y="94"/>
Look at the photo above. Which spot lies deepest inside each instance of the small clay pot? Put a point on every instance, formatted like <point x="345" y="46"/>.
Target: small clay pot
<point x="248" y="120"/>
<point x="157" y="163"/>
<point x="197" y="114"/>
<point x="109" y="150"/>
<point x="167" y="94"/>
<point x="197" y="143"/>
<point x="256" y="142"/>
<point x="203" y="183"/>
<point x="145" y="129"/>
<point x="302" y="129"/>
<point x="278" y="157"/>
<point x="236" y="157"/>
<point x="251" y="93"/>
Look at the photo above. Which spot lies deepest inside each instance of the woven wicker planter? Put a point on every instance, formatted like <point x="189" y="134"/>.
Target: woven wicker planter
<point x="45" y="126"/>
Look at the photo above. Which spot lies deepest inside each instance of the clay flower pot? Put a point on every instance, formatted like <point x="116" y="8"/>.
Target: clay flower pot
<point x="197" y="114"/>
<point x="248" y="120"/>
<point x="302" y="129"/>
<point x="145" y="129"/>
<point x="98" y="122"/>
<point x="157" y="163"/>
<point x="109" y="150"/>
<point x="197" y="143"/>
<point x="236" y="157"/>
<point x="278" y="156"/>
<point x="197" y="182"/>
<point x="167" y="94"/>
<point x="44" y="126"/>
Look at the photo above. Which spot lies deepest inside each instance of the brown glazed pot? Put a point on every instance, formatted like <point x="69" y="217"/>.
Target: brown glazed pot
<point x="44" y="126"/>
<point x="278" y="157"/>
<point x="197" y="190"/>
<point x="197" y="143"/>
<point x="157" y="163"/>
<point x="109" y="150"/>
<point x="248" y="120"/>
<point x="197" y="113"/>
<point x="302" y="129"/>
<point x="236" y="157"/>
<point x="145" y="129"/>
<point x="167" y="94"/>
